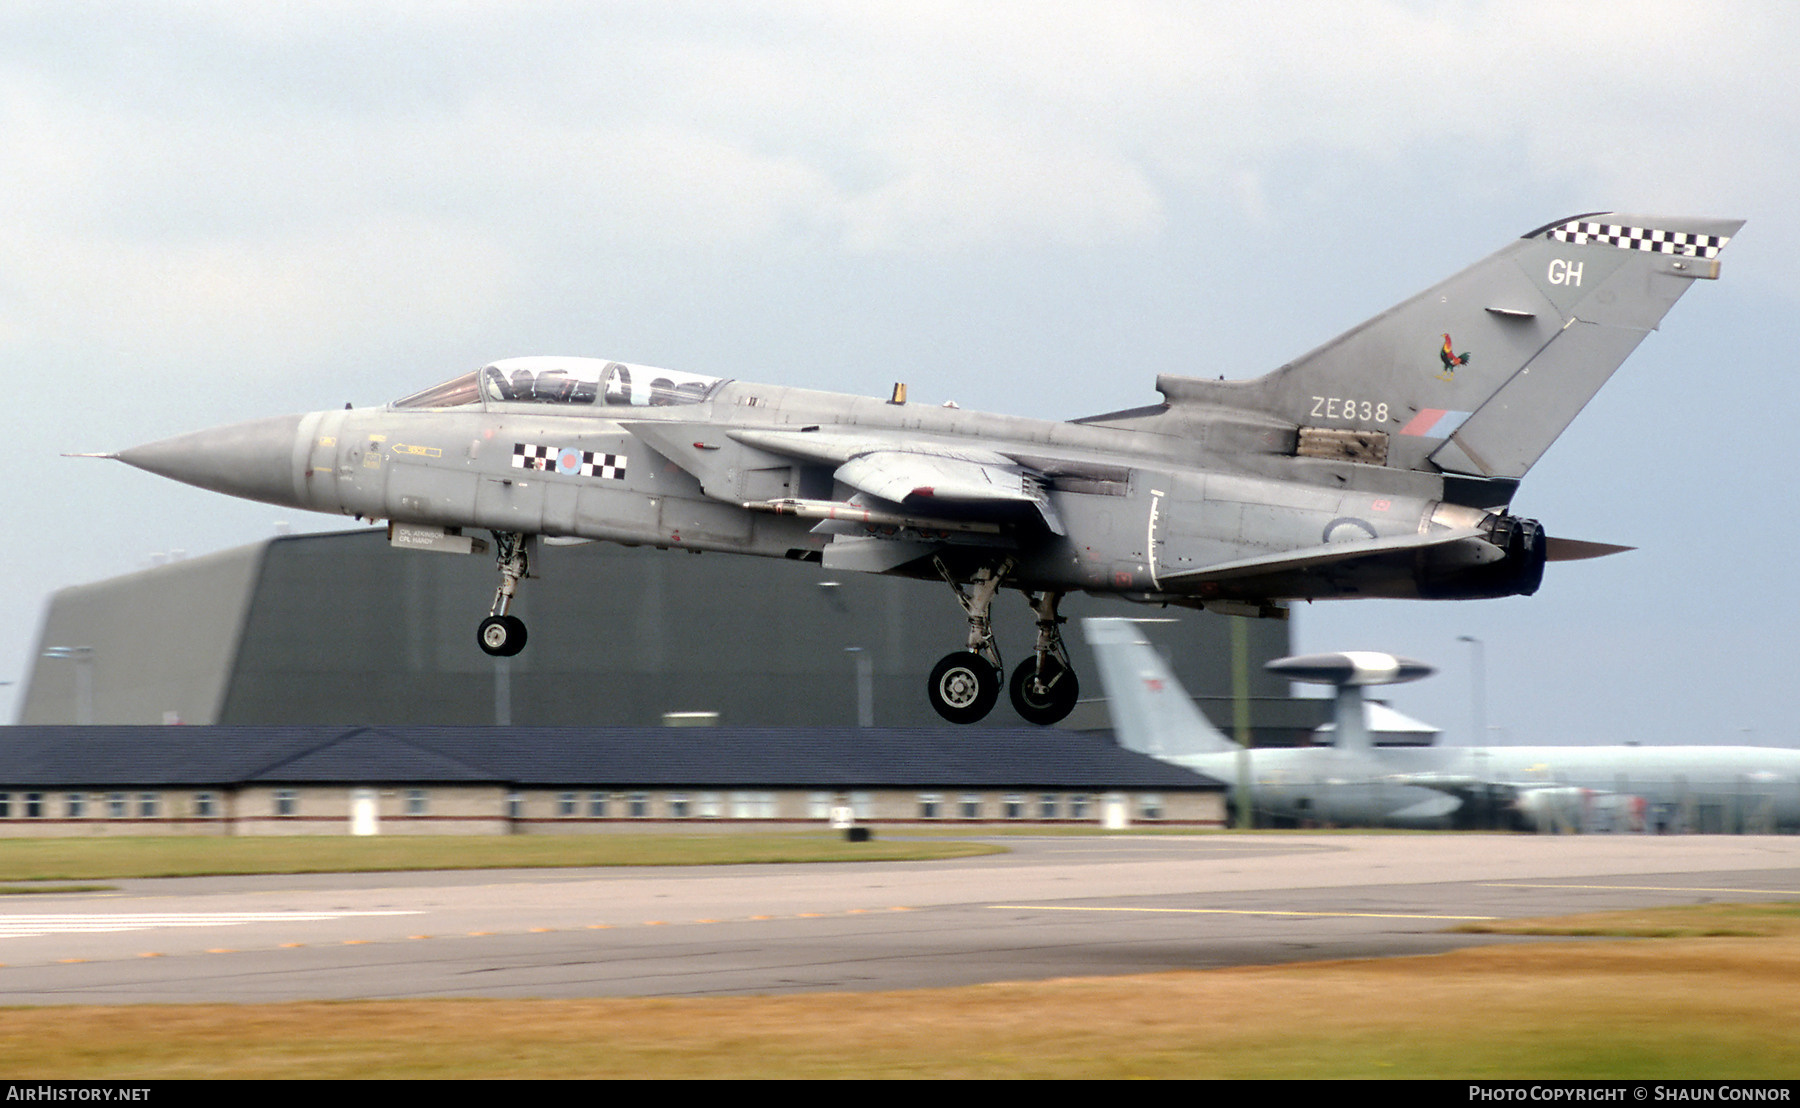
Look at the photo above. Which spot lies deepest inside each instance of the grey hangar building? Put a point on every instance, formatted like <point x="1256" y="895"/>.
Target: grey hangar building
<point x="329" y="678"/>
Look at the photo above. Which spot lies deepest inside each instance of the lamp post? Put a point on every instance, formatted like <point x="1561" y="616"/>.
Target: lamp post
<point x="502" y="692"/>
<point x="83" y="657"/>
<point x="865" y="686"/>
<point x="1478" y="687"/>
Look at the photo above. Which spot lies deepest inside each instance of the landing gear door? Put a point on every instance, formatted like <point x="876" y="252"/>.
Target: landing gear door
<point x="510" y="504"/>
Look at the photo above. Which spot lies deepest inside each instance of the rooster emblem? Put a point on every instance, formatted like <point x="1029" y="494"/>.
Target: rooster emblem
<point x="1451" y="360"/>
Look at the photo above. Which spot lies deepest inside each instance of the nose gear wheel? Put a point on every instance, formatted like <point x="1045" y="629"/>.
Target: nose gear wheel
<point x="501" y="633"/>
<point x="501" y="636"/>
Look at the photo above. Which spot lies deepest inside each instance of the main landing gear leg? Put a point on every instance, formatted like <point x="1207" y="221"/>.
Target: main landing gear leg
<point x="1044" y="688"/>
<point x="965" y="685"/>
<point x="502" y="634"/>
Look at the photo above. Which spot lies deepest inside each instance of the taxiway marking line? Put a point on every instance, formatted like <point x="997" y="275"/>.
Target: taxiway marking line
<point x="70" y="924"/>
<point x="1235" y="912"/>
<point x="30" y="926"/>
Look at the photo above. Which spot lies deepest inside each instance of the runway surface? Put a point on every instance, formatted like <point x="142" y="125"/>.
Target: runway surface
<point x="1054" y="907"/>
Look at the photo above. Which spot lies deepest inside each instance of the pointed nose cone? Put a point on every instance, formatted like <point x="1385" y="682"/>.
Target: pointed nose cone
<point x="259" y="460"/>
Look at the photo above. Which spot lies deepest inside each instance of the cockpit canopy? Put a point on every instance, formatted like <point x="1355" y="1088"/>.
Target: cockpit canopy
<point x="566" y="381"/>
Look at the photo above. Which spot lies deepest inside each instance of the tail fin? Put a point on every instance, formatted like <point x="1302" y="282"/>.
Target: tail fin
<point x="1478" y="375"/>
<point x="1151" y="713"/>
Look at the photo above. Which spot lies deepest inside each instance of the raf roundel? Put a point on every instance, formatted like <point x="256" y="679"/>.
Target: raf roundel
<point x="568" y="461"/>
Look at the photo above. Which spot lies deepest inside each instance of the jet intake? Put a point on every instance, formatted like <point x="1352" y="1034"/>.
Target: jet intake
<point x="1517" y="573"/>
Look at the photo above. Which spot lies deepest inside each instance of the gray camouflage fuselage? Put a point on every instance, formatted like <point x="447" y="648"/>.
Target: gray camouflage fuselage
<point x="1130" y="500"/>
<point x="1375" y="465"/>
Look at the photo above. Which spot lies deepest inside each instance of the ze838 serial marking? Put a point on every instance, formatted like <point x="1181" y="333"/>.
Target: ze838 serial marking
<point x="1349" y="408"/>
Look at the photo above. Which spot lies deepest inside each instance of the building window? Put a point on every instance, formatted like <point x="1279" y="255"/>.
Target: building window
<point x="596" y="808"/>
<point x="115" y="806"/>
<point x="5" y="805"/>
<point x="678" y="805"/>
<point x="1047" y="806"/>
<point x="709" y="807"/>
<point x="970" y="806"/>
<point x="1150" y="806"/>
<point x="1078" y="806"/>
<point x="1012" y="806"/>
<point x="930" y="805"/>
<point x="818" y="805"/>
<point x="149" y="805"/>
<point x="287" y="803"/>
<point x="637" y="805"/>
<point x="756" y="805"/>
<point x="566" y="806"/>
<point x="515" y="806"/>
<point x="863" y="805"/>
<point x="418" y="802"/>
<point x="205" y="806"/>
<point x="75" y="805"/>
<point x="34" y="805"/>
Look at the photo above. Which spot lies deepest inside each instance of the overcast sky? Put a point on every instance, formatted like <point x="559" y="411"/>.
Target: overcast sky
<point x="217" y="211"/>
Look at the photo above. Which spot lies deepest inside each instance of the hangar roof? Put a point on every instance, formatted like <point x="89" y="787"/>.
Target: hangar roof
<point x="57" y="756"/>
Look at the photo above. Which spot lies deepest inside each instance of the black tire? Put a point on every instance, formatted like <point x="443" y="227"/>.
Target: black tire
<point x="1054" y="702"/>
<point x="964" y="687"/>
<point x="501" y="636"/>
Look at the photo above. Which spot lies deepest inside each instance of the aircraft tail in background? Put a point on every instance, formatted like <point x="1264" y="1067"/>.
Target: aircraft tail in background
<point x="1152" y="714"/>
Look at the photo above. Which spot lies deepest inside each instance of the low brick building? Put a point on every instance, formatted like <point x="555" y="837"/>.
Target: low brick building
<point x="222" y="780"/>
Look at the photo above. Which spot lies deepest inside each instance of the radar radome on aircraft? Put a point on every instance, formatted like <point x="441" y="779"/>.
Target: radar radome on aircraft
<point x="1354" y="781"/>
<point x="1380" y="464"/>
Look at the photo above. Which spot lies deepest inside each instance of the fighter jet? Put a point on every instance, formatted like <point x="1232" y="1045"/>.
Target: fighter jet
<point x="1379" y="465"/>
<point x="1355" y="782"/>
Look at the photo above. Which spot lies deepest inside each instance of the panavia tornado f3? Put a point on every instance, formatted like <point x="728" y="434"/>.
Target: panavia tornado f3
<point x="1379" y="465"/>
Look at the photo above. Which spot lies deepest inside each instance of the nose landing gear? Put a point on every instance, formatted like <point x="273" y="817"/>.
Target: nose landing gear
<point x="502" y="634"/>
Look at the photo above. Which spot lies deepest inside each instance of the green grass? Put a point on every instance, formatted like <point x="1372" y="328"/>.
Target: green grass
<point x="59" y="859"/>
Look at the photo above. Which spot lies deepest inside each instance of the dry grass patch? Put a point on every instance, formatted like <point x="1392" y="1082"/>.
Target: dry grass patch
<point x="1690" y="1007"/>
<point x="1687" y="921"/>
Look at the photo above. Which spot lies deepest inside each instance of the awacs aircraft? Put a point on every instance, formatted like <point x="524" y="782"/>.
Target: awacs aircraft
<point x="1378" y="465"/>
<point x="1354" y="781"/>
